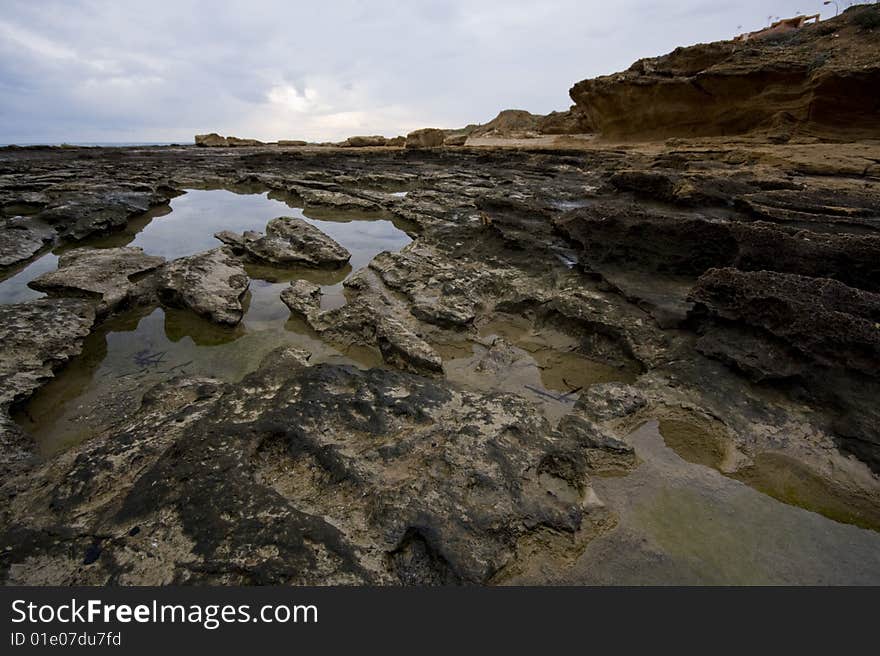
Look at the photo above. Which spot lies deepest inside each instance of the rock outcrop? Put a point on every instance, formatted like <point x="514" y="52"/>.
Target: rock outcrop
<point x="214" y="140"/>
<point x="814" y="319"/>
<point x="211" y="140"/>
<point x="288" y="240"/>
<point x="302" y="297"/>
<point x="818" y="80"/>
<point x="364" y="141"/>
<point x="211" y="284"/>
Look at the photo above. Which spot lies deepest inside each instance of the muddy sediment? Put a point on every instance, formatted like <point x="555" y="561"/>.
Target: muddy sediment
<point x="471" y="397"/>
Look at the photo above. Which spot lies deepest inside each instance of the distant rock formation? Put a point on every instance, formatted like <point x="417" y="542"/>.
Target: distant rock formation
<point x="214" y="140"/>
<point x="363" y="142"/>
<point x="425" y="138"/>
<point x="519" y="124"/>
<point x="819" y="80"/>
<point x="211" y="140"/>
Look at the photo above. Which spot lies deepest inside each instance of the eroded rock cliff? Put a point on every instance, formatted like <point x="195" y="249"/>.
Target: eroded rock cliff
<point x="820" y="80"/>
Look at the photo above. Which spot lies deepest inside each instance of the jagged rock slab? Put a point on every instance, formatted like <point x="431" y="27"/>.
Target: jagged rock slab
<point x="335" y="199"/>
<point x="288" y="240"/>
<point x="302" y="297"/>
<point x="106" y="274"/>
<point x="211" y="284"/>
<point x="100" y="210"/>
<point x="602" y="450"/>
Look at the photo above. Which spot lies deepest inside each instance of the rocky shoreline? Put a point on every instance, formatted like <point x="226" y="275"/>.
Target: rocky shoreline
<point x="723" y="287"/>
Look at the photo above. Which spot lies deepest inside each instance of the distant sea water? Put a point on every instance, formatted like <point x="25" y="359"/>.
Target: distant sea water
<point x="96" y="144"/>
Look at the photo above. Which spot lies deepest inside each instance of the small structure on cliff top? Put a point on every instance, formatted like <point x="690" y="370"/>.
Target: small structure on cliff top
<point x="779" y="27"/>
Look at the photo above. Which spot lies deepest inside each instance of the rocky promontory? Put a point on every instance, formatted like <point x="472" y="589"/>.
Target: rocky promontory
<point x="819" y="80"/>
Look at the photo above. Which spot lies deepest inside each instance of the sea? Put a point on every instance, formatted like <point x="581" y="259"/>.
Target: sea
<point x="96" y="144"/>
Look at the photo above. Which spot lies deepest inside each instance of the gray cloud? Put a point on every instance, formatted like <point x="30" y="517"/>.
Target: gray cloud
<point x="164" y="70"/>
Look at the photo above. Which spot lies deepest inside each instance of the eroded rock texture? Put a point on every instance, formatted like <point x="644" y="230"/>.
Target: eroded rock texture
<point x="817" y="80"/>
<point x="306" y="475"/>
<point x="210" y="284"/>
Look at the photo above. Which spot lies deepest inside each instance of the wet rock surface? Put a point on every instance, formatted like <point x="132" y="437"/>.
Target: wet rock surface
<point x="810" y="81"/>
<point x="107" y="275"/>
<point x="317" y="474"/>
<point x="550" y="303"/>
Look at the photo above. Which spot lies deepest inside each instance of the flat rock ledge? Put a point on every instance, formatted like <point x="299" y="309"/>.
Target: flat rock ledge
<point x="288" y="241"/>
<point x="109" y="275"/>
<point x="211" y="284"/>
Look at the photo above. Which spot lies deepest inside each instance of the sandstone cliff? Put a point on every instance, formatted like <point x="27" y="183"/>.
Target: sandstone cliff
<point x="820" y="80"/>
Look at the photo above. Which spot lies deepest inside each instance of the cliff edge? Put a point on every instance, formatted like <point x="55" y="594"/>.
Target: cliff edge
<point x="817" y="81"/>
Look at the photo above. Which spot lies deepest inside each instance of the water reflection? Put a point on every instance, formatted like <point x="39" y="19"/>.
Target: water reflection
<point x="133" y="351"/>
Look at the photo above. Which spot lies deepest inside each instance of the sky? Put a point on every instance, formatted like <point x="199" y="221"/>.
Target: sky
<point x="322" y="70"/>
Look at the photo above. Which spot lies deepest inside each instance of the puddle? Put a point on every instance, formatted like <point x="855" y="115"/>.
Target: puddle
<point x="540" y="364"/>
<point x="682" y="523"/>
<point x="139" y="348"/>
<point x="774" y="474"/>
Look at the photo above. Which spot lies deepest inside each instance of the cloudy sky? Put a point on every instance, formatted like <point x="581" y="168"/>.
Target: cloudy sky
<point x="163" y="70"/>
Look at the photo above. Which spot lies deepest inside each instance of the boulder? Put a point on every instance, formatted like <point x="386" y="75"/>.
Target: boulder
<point x="211" y="284"/>
<point x="288" y="241"/>
<point x="425" y="138"/>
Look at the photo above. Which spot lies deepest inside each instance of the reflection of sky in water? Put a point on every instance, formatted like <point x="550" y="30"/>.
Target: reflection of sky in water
<point x="198" y="214"/>
<point x="15" y="290"/>
<point x="142" y="346"/>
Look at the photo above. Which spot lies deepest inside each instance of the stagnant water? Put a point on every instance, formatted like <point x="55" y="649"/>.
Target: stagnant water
<point x="136" y="349"/>
<point x="141" y="347"/>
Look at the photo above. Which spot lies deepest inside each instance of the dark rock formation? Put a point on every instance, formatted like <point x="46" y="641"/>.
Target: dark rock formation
<point x="316" y="475"/>
<point x="816" y="319"/>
